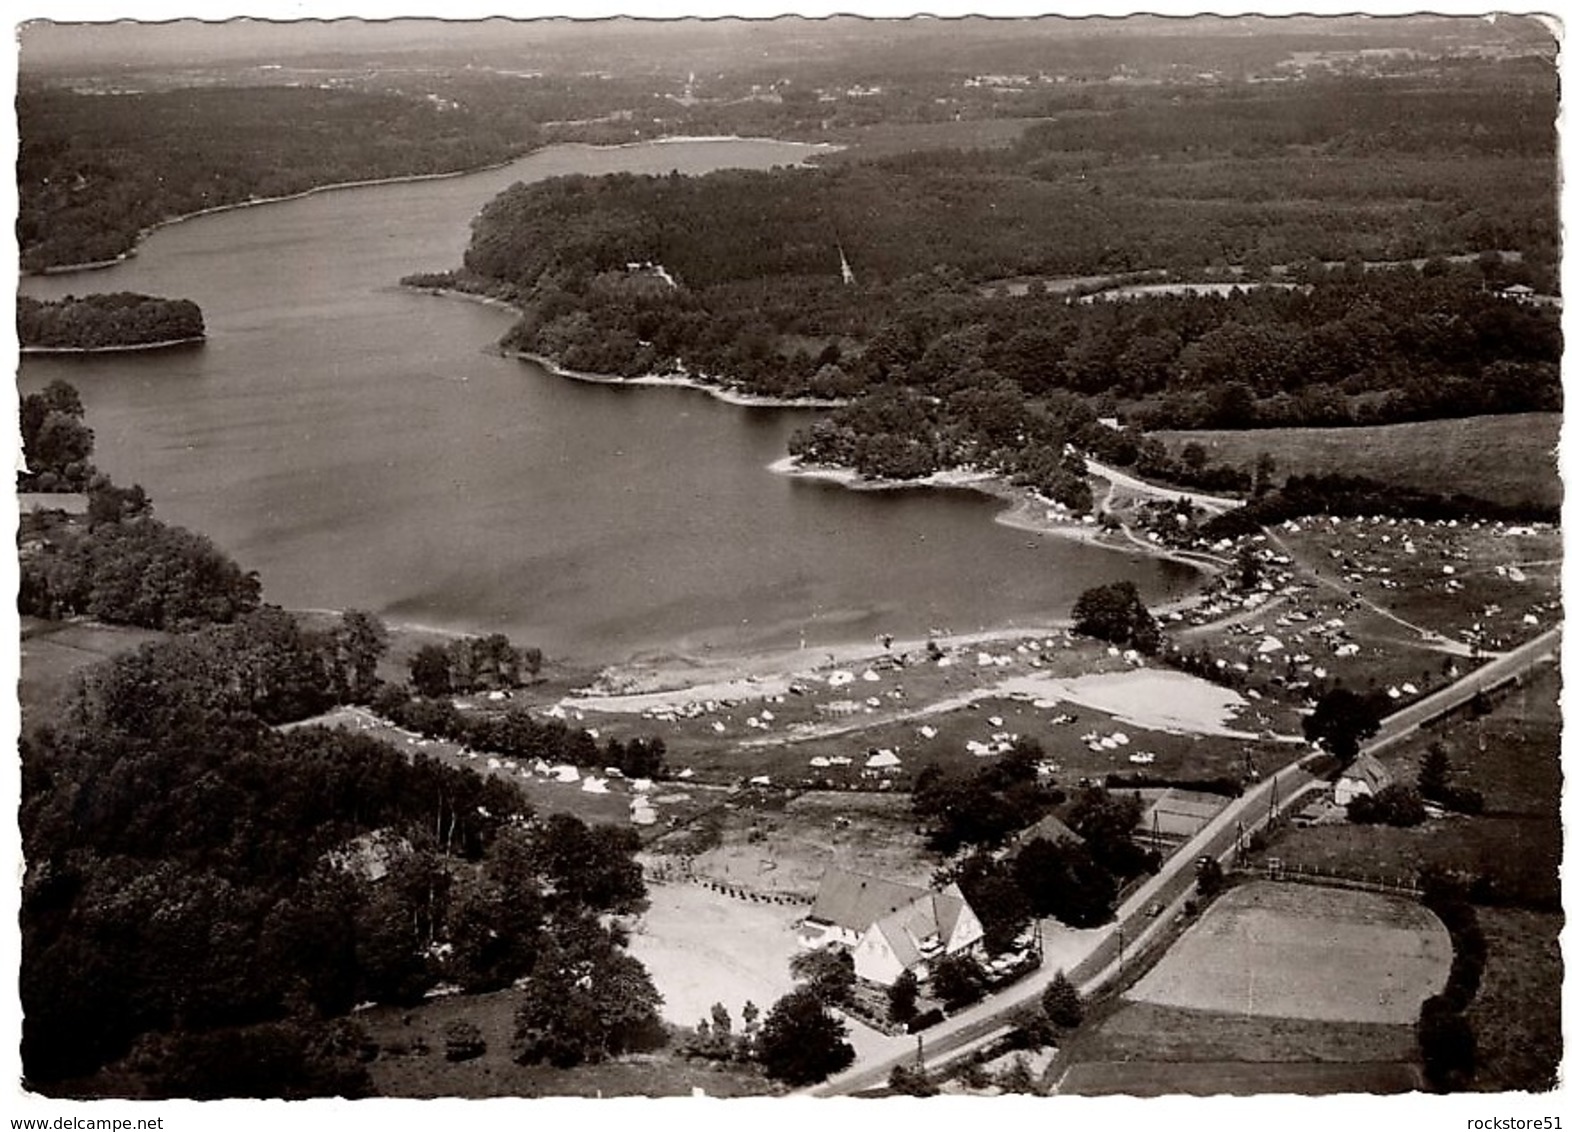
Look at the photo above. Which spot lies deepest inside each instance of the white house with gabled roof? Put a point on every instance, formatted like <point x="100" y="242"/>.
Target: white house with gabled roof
<point x="889" y="927"/>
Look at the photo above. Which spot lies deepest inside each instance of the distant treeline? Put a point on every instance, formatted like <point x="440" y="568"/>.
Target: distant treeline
<point x="93" y="171"/>
<point x="107" y="321"/>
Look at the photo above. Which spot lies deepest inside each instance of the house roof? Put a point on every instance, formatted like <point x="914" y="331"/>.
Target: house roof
<point x="933" y="915"/>
<point x="1051" y="830"/>
<point x="1369" y="769"/>
<point x="857" y="901"/>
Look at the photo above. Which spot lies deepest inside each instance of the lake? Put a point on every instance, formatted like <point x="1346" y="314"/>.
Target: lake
<point x="359" y="446"/>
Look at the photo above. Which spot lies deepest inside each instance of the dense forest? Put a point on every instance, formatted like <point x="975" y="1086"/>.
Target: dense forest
<point x="93" y="171"/>
<point x="106" y="321"/>
<point x="107" y="152"/>
<point x="201" y="887"/>
<point x="1360" y="229"/>
<point x="208" y="894"/>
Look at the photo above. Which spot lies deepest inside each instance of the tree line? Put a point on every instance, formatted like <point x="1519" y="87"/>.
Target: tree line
<point x="117" y="563"/>
<point x="106" y="321"/>
<point x="94" y="171"/>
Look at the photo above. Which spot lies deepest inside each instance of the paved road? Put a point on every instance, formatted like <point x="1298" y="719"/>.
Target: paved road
<point x="1133" y="928"/>
<point x="1508" y="666"/>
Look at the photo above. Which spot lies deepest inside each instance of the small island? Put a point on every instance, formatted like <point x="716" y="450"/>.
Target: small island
<point x="119" y="321"/>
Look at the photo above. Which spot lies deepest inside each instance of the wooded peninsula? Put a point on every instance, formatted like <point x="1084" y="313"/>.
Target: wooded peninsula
<point x="1227" y="258"/>
<point x="119" y="321"/>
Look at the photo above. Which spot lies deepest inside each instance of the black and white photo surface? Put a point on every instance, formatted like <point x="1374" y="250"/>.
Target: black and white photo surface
<point x="1010" y="555"/>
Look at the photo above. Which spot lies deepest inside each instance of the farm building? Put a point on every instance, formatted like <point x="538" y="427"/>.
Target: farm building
<point x="1173" y="816"/>
<point x="889" y="927"/>
<point x="1365" y="775"/>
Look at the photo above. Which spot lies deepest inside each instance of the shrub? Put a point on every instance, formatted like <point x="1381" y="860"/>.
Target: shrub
<point x="1062" y="1003"/>
<point x="463" y="1040"/>
<point x="911" y="1082"/>
<point x="1446" y="1044"/>
<point x="924" y="1020"/>
<point x="1398" y="805"/>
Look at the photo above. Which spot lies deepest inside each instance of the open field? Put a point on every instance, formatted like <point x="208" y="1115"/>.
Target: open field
<point x="1214" y="1078"/>
<point x="885" y="139"/>
<point x="1491" y="585"/>
<point x="1301" y="631"/>
<point x="1517" y="1013"/>
<point x="410" y="1060"/>
<point x="1512" y="756"/>
<point x="771" y="844"/>
<point x="54" y="651"/>
<point x="1506" y="459"/>
<point x="701" y="947"/>
<point x="1295" y="951"/>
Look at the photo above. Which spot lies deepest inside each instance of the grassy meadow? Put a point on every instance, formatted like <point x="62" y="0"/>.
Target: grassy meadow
<point x="1506" y="459"/>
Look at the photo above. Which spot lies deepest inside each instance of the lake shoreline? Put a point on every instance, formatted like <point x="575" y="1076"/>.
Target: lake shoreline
<point x="143" y="234"/>
<point x="1027" y="510"/>
<point x="739" y="670"/>
<point x="695" y="629"/>
<point x="138" y="347"/>
<point x="370" y="182"/>
<point x="728" y="394"/>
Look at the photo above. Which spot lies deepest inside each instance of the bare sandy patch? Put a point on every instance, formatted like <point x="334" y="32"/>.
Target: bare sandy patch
<point x="1299" y="951"/>
<point x="701" y="948"/>
<point x="1154" y="698"/>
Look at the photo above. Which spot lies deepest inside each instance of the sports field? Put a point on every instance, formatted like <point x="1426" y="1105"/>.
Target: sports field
<point x="1300" y="951"/>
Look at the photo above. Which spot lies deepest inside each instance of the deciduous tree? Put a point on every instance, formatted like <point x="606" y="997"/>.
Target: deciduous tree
<point x="1341" y="721"/>
<point x="800" y="1042"/>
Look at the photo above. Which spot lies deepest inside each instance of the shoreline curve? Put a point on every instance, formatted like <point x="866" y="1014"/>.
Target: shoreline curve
<point x="404" y="179"/>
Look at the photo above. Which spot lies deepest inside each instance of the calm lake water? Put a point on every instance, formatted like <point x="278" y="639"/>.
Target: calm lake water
<point x="359" y="446"/>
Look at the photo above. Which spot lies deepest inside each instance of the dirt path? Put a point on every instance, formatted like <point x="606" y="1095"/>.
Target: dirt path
<point x="1213" y="503"/>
